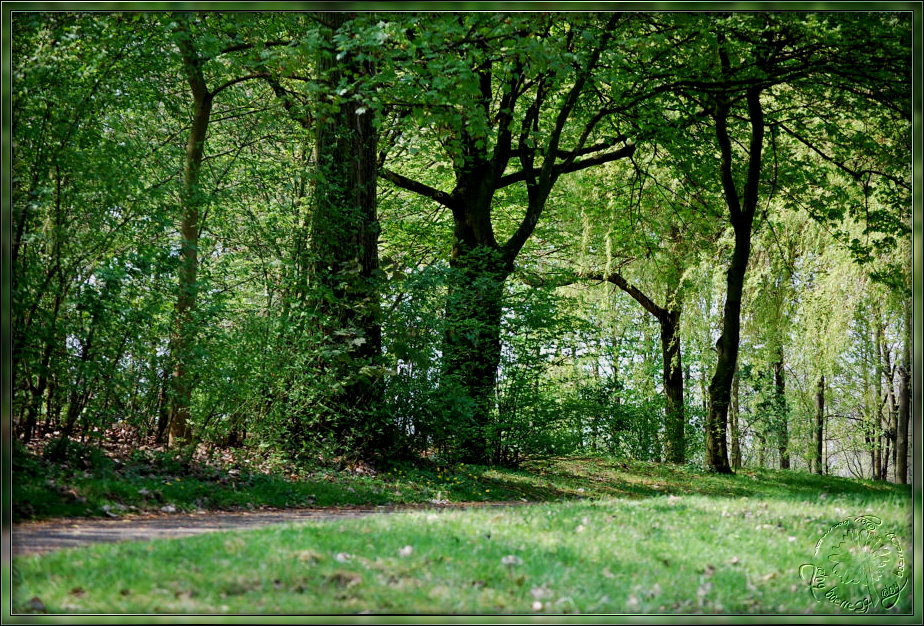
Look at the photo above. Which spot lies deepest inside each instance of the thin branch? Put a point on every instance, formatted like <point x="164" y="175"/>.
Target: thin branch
<point x="575" y="166"/>
<point x="855" y="174"/>
<point x="617" y="279"/>
<point x="235" y="81"/>
<point x="417" y="187"/>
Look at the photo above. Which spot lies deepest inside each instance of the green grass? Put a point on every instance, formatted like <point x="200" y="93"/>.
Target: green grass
<point x="88" y="483"/>
<point x="645" y="538"/>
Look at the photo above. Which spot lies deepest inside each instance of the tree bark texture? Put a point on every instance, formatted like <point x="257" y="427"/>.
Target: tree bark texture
<point x="193" y="198"/>
<point x="344" y="251"/>
<point x="741" y="211"/>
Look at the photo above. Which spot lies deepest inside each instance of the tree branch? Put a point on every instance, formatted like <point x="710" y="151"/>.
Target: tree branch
<point x="855" y="174"/>
<point x="574" y="166"/>
<point x="755" y="150"/>
<point x="248" y="46"/>
<point x="547" y="172"/>
<point x="237" y="80"/>
<point x="617" y="279"/>
<point x="417" y="187"/>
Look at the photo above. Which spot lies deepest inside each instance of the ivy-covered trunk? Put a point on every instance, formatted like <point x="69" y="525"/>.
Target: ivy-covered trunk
<point x="472" y="345"/>
<point x="474" y="305"/>
<point x="344" y="251"/>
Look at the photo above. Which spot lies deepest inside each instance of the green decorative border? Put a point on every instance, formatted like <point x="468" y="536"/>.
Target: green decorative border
<point x="562" y="6"/>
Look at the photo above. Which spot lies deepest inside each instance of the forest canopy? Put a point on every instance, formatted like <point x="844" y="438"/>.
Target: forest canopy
<point x="480" y="237"/>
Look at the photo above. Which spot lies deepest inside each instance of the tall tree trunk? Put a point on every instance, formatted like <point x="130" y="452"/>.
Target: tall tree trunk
<point x="674" y="416"/>
<point x="819" y="425"/>
<point x="734" y="412"/>
<point x="904" y="402"/>
<point x="779" y="385"/>
<point x="344" y="250"/>
<point x="727" y="349"/>
<point x="741" y="212"/>
<point x="891" y="407"/>
<point x="182" y="344"/>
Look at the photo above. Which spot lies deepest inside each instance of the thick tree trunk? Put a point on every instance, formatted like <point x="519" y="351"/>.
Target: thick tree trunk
<point x="344" y="253"/>
<point x="819" y="426"/>
<point x="904" y="403"/>
<point x="735" y="429"/>
<point x="182" y="345"/>
<point x="472" y="346"/>
<point x="779" y="383"/>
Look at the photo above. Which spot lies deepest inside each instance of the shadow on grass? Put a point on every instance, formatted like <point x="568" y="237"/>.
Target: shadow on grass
<point x="93" y="485"/>
<point x="581" y="477"/>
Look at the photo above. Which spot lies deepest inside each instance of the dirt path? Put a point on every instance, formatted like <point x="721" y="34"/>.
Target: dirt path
<point x="37" y="537"/>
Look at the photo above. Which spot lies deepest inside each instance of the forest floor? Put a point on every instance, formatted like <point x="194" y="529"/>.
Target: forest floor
<point x="594" y="535"/>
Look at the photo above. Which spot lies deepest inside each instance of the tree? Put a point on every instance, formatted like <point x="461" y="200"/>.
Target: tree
<point x="196" y="249"/>
<point x="742" y="206"/>
<point x="498" y="91"/>
<point x="194" y="198"/>
<point x="669" y="321"/>
<point x="750" y="60"/>
<point x="86" y="206"/>
<point x="344" y="235"/>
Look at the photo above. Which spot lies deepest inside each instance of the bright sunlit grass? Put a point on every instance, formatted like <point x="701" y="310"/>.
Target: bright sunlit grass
<point x="709" y="543"/>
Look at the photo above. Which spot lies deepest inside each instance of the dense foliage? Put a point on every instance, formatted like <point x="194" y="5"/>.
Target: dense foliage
<point x="668" y="237"/>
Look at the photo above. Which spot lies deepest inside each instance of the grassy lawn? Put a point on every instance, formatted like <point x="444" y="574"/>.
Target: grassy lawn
<point x="92" y="484"/>
<point x="621" y="538"/>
